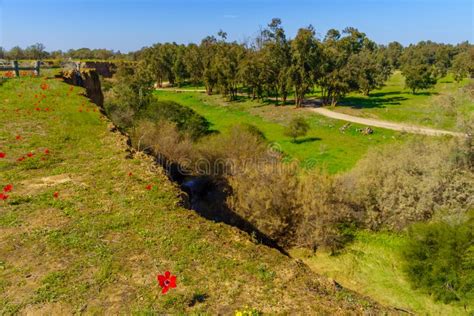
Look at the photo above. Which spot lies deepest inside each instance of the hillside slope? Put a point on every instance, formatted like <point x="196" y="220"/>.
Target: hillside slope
<point x="87" y="226"/>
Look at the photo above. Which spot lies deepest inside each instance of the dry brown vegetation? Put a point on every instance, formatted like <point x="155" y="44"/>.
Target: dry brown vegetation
<point x="404" y="184"/>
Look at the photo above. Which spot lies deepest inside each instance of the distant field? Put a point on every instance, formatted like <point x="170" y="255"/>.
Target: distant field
<point x="395" y="103"/>
<point x="325" y="145"/>
<point x="372" y="266"/>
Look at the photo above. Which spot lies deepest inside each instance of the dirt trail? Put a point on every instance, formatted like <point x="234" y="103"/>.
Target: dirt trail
<point x="384" y="124"/>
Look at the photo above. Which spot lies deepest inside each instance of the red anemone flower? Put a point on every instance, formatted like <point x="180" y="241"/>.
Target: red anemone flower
<point x="46" y="151"/>
<point x="21" y="159"/>
<point x="56" y="195"/>
<point x="149" y="187"/>
<point x="18" y="137"/>
<point x="7" y="188"/>
<point x="2" y="155"/>
<point x="130" y="174"/>
<point x="166" y="281"/>
<point x="30" y="155"/>
<point x="3" y="196"/>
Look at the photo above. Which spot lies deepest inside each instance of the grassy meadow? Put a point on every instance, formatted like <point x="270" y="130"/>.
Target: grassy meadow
<point x="325" y="146"/>
<point x="396" y="103"/>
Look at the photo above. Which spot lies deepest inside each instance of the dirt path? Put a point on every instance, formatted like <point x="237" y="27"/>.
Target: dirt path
<point x="384" y="124"/>
<point x="180" y="90"/>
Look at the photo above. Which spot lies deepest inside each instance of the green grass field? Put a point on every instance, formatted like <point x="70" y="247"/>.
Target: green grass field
<point x="98" y="246"/>
<point x="395" y="103"/>
<point x="325" y="146"/>
<point x="372" y="265"/>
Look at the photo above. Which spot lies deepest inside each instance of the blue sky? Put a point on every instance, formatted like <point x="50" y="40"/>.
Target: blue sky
<point x="131" y="24"/>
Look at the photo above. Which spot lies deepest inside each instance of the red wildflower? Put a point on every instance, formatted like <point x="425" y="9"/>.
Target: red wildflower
<point x="56" y="195"/>
<point x="21" y="159"/>
<point x="46" y="151"/>
<point x="3" y="196"/>
<point x="7" y="188"/>
<point x="44" y="86"/>
<point x="166" y="281"/>
<point x="130" y="174"/>
<point x="149" y="187"/>
<point x="30" y="155"/>
<point x="37" y="109"/>
<point x="2" y="155"/>
<point x="18" y="137"/>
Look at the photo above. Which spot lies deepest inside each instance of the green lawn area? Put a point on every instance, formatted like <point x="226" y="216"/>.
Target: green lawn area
<point x="98" y="246"/>
<point x="325" y="146"/>
<point x="395" y="103"/>
<point x="372" y="266"/>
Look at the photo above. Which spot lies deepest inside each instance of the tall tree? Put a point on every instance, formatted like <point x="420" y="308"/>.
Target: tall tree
<point x="208" y="50"/>
<point x="305" y="54"/>
<point x="418" y="67"/>
<point x="463" y="65"/>
<point x="277" y="59"/>
<point x="394" y="52"/>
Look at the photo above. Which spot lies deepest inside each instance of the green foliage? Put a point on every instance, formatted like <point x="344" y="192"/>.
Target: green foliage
<point x="298" y="127"/>
<point x="418" y="67"/>
<point x="439" y="259"/>
<point x="186" y="120"/>
<point x="305" y="53"/>
<point x="463" y="65"/>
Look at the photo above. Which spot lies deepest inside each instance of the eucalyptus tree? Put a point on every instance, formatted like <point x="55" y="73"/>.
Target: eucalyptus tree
<point x="194" y="63"/>
<point x="179" y="69"/>
<point x="463" y="65"/>
<point x="418" y="67"/>
<point x="227" y="61"/>
<point x="208" y="49"/>
<point x="276" y="53"/>
<point x="370" y="67"/>
<point x="305" y="52"/>
<point x="394" y="52"/>
<point x="251" y="73"/>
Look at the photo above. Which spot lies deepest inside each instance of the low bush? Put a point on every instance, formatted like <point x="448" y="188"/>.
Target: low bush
<point x="298" y="127"/>
<point x="439" y="259"/>
<point x="326" y="218"/>
<point x="403" y="184"/>
<point x="186" y="119"/>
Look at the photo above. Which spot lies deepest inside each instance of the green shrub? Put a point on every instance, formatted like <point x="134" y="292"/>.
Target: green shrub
<point x="440" y="259"/>
<point x="186" y="119"/>
<point x="298" y="127"/>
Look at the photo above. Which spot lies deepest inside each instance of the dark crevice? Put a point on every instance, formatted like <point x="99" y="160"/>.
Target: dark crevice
<point x="205" y="195"/>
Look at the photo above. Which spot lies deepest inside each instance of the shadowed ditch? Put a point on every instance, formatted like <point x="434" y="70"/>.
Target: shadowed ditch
<point x="204" y="194"/>
<point x="207" y="196"/>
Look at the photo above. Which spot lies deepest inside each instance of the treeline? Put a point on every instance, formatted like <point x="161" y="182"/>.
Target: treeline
<point x="38" y="52"/>
<point x="272" y="65"/>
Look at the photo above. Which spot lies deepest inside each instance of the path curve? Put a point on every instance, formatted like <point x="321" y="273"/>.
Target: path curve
<point x="385" y="124"/>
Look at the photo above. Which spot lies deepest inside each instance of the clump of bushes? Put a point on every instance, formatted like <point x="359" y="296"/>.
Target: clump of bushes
<point x="439" y="259"/>
<point x="186" y="119"/>
<point x="403" y="184"/>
